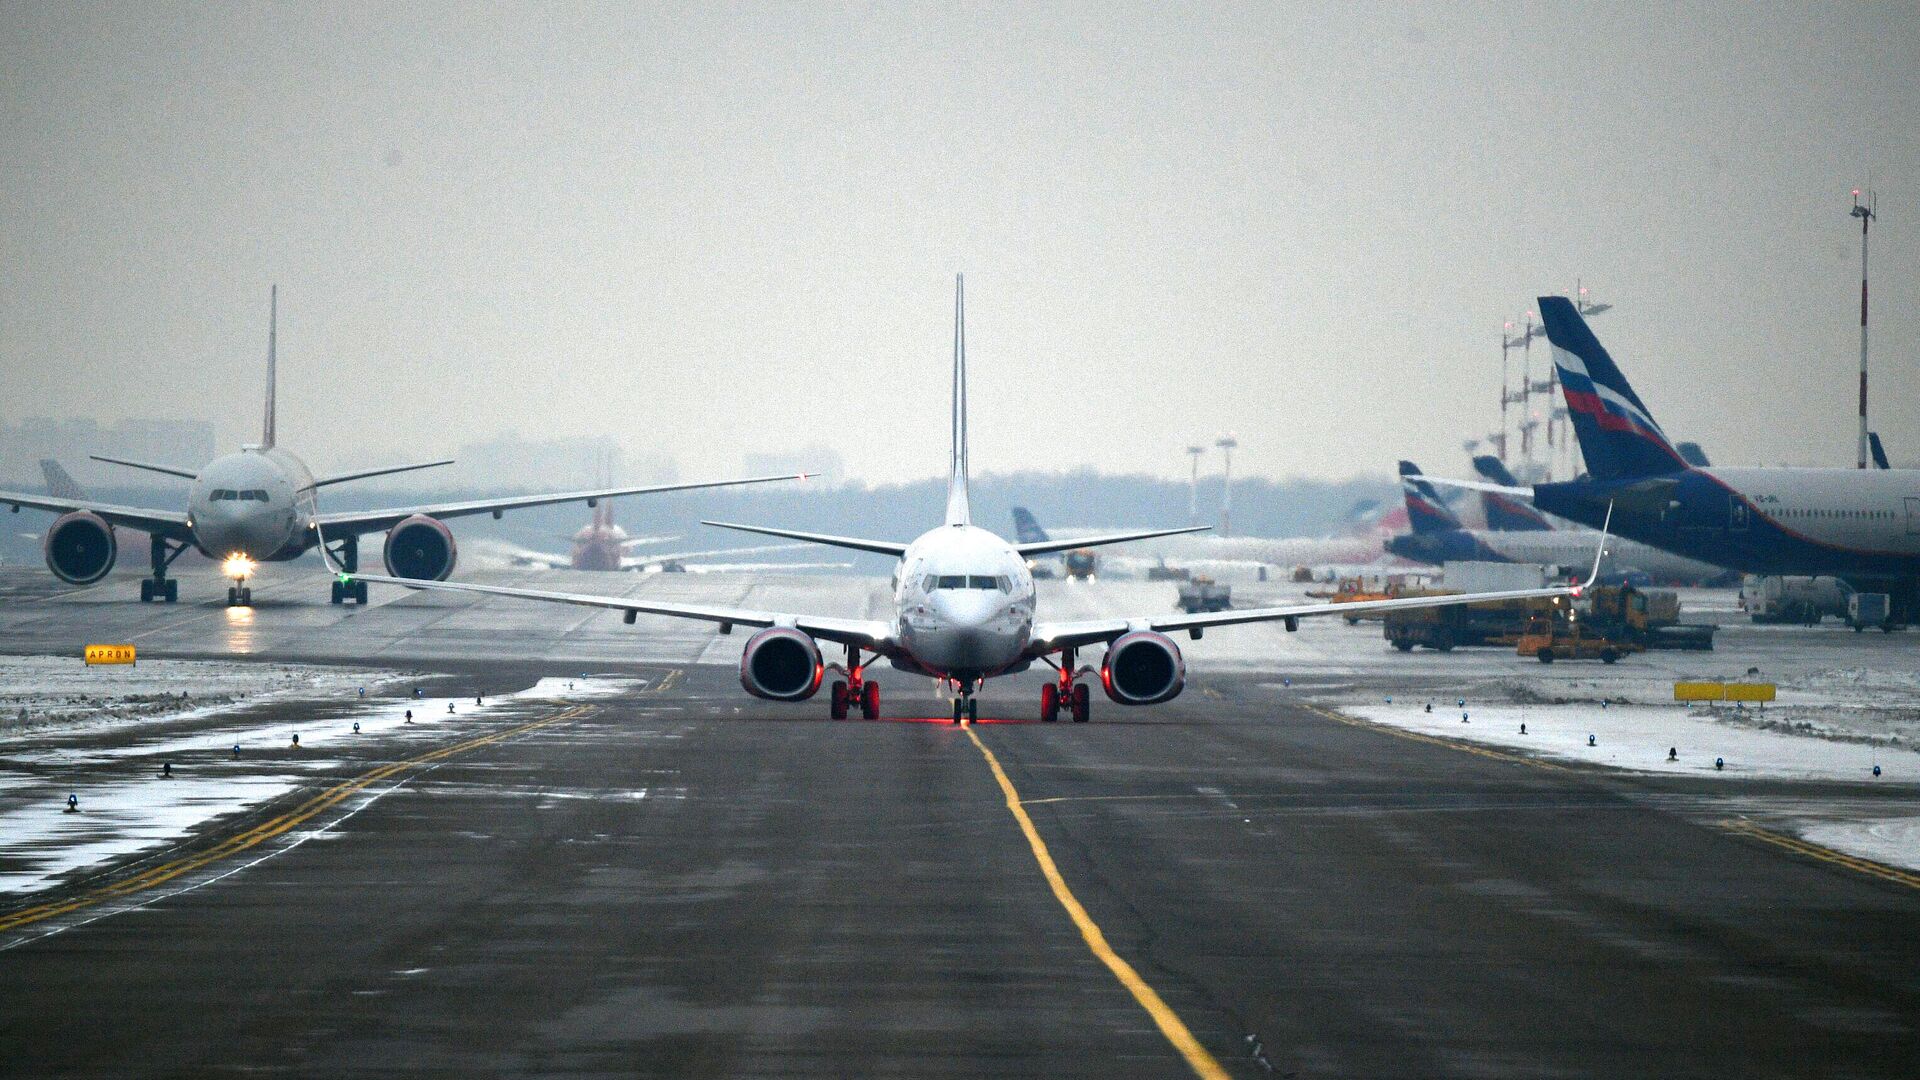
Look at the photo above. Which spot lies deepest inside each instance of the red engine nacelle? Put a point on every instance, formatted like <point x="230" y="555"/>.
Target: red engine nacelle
<point x="1143" y="668"/>
<point x="80" y="548"/>
<point x="421" y="548"/>
<point x="781" y="664"/>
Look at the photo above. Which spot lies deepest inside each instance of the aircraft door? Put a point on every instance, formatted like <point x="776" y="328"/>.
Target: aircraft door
<point x="1913" y="517"/>
<point x="1736" y="513"/>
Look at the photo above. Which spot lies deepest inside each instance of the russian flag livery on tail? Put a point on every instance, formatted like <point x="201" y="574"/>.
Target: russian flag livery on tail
<point x="1617" y="433"/>
<point x="1425" y="512"/>
<point x="1506" y="513"/>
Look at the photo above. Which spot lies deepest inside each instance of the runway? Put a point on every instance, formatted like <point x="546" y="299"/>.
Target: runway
<point x="681" y="880"/>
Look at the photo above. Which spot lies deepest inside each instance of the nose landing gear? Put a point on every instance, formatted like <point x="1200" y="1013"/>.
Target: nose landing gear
<point x="855" y="692"/>
<point x="965" y="707"/>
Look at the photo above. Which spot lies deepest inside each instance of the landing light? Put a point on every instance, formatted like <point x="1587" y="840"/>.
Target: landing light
<point x="238" y="567"/>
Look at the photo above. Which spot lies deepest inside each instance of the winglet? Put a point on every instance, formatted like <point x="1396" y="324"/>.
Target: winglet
<point x="958" y="511"/>
<point x="273" y="335"/>
<point x="1599" y="553"/>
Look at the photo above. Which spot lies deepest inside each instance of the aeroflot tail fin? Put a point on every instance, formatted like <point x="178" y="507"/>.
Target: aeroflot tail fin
<point x="958" y="510"/>
<point x="1425" y="512"/>
<point x="1879" y="451"/>
<point x="273" y="333"/>
<point x="1617" y="433"/>
<point x="1504" y="512"/>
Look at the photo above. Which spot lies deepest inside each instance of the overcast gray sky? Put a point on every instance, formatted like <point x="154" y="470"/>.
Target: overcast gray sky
<point x="732" y="229"/>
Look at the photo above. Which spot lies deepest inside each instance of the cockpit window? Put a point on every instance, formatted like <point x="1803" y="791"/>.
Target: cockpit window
<point x="950" y="581"/>
<point x="983" y="581"/>
<point x="220" y="494"/>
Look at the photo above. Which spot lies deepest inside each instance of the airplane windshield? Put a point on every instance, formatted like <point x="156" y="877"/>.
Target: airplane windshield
<point x="969" y="581"/>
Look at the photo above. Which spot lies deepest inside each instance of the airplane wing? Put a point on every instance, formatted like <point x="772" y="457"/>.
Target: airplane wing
<point x="1051" y="637"/>
<point x="365" y="521"/>
<point x="878" y="547"/>
<point x="168" y="523"/>
<point x="1480" y="485"/>
<point x="168" y="470"/>
<point x="865" y="633"/>
<point x="1043" y="547"/>
<point x="656" y="558"/>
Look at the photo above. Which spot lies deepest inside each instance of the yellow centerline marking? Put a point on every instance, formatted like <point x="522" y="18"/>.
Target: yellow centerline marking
<point x="1436" y="740"/>
<point x="1824" y="854"/>
<point x="1198" y="1059"/>
<point x="267" y="830"/>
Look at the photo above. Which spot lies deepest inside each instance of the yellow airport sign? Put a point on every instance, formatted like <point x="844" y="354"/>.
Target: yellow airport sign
<point x="109" y="654"/>
<point x="1699" y="691"/>
<point x="1713" y="691"/>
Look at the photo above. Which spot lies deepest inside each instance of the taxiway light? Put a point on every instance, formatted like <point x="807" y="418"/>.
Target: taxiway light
<point x="1719" y="763"/>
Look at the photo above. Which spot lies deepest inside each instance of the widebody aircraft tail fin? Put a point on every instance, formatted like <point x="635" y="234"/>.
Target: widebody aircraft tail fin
<point x="1425" y="512"/>
<point x="958" y="510"/>
<point x="1504" y="512"/>
<point x="273" y="335"/>
<point x="60" y="485"/>
<point x="1617" y="433"/>
<point x="1879" y="451"/>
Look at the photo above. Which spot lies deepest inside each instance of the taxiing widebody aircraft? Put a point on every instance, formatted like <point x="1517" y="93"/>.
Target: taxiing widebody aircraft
<point x="259" y="505"/>
<point x="964" y="610"/>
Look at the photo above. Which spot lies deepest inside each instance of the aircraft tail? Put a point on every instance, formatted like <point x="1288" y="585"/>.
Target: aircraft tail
<point x="60" y="485"/>
<point x="1694" y="456"/>
<point x="958" y="510"/>
<point x="1504" y="512"/>
<point x="273" y="334"/>
<point x="1026" y="527"/>
<point x="1425" y="512"/>
<point x="1618" y="435"/>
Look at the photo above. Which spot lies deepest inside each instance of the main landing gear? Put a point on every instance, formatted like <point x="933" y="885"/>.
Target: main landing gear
<point x="1065" y="693"/>
<point x="346" y="552"/>
<point x="159" y="586"/>
<point x="855" y="692"/>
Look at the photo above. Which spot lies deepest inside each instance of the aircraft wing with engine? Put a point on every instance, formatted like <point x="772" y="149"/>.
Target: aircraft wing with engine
<point x="171" y="524"/>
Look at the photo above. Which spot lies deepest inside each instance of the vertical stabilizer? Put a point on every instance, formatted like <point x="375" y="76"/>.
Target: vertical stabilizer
<point x="1616" y="431"/>
<point x="1425" y="510"/>
<point x="958" y="512"/>
<point x="273" y="332"/>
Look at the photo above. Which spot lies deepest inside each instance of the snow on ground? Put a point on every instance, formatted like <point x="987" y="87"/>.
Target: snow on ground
<point x="42" y="694"/>
<point x="121" y="814"/>
<point x="1639" y="737"/>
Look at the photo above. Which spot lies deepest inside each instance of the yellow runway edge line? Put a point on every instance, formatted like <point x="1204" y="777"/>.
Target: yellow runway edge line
<point x="1198" y="1059"/>
<point x="1824" y="854"/>
<point x="1744" y="828"/>
<point x="267" y="830"/>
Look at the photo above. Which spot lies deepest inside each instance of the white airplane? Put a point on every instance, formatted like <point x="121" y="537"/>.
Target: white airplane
<point x="964" y="611"/>
<point x="259" y="505"/>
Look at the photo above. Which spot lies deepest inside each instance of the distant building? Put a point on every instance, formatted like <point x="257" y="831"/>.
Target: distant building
<point x="186" y="443"/>
<point x="813" y="458"/>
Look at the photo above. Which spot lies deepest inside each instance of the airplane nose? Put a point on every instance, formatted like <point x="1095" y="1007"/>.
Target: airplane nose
<point x="966" y="610"/>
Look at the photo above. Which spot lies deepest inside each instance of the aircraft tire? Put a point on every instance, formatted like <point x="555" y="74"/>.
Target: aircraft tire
<point x="837" y="701"/>
<point x="870" y="701"/>
<point x="1082" y="703"/>
<point x="1049" y="704"/>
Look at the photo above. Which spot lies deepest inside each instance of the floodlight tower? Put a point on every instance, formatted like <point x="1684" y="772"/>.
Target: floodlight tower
<point x="1193" y="485"/>
<point x="1865" y="212"/>
<point x="1226" y="445"/>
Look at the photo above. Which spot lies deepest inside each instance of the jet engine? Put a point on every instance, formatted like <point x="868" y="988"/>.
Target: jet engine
<point x="419" y="547"/>
<point x="1143" y="668"/>
<point x="80" y="548"/>
<point x="781" y="664"/>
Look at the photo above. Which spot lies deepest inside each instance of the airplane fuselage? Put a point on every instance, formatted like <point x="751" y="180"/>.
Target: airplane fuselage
<point x="1838" y="522"/>
<point x="255" y="503"/>
<point x="963" y="603"/>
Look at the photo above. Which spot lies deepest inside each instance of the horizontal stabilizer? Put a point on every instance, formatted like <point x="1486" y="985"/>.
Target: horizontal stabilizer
<point x="1047" y="547"/>
<point x="150" y="467"/>
<point x="341" y="478"/>
<point x="878" y="547"/>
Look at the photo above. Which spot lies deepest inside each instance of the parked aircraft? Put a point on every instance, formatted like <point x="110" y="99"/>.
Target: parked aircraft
<point x="259" y="505"/>
<point x="963" y="611"/>
<point x="1859" y="525"/>
<point x="1439" y="537"/>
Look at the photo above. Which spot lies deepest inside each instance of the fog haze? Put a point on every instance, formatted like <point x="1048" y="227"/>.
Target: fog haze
<point x="733" y="230"/>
